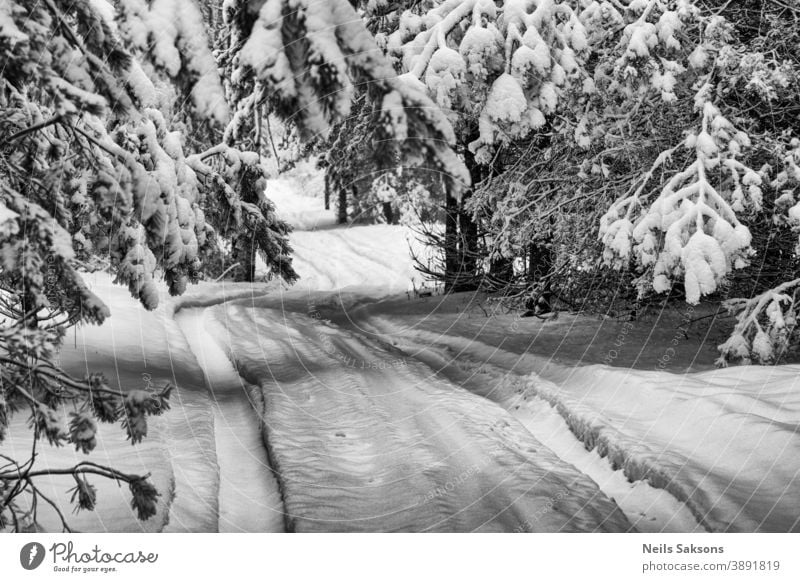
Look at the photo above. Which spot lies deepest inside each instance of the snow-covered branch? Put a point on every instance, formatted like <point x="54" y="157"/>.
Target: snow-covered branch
<point x="498" y="68"/>
<point x="765" y="326"/>
<point x="312" y="80"/>
<point x="690" y="229"/>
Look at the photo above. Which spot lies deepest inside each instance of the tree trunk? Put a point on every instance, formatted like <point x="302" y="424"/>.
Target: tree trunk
<point x="468" y="249"/>
<point x="540" y="263"/>
<point x="341" y="217"/>
<point x="327" y="191"/>
<point x="450" y="243"/>
<point x="501" y="273"/>
<point x="244" y="253"/>
<point x="388" y="213"/>
<point x="462" y="271"/>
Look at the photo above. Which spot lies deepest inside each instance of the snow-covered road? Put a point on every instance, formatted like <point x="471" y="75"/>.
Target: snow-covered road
<point x="312" y="409"/>
<point x="364" y="438"/>
<point x="249" y="496"/>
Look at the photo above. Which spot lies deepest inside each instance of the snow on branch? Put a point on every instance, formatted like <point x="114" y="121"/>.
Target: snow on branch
<point x="501" y="67"/>
<point x="787" y="183"/>
<point x="691" y="229"/>
<point x="310" y="56"/>
<point x="173" y="35"/>
<point x="765" y="325"/>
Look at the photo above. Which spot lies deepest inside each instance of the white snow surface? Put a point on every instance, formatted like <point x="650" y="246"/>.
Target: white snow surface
<point x="344" y="404"/>
<point x="249" y="495"/>
<point x="724" y="442"/>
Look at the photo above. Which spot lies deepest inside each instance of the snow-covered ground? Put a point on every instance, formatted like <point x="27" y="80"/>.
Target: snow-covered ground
<point x="364" y="440"/>
<point x="724" y="441"/>
<point x="249" y="496"/>
<point x="345" y="404"/>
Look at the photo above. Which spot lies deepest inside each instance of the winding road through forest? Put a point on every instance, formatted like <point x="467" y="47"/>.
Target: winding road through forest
<point x="363" y="436"/>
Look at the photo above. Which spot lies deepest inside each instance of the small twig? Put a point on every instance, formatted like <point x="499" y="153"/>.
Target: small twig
<point x="225" y="272"/>
<point x="52" y="504"/>
<point x="272" y="143"/>
<point x="31" y="129"/>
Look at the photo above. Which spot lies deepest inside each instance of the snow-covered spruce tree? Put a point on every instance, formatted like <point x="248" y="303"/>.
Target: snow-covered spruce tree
<point x="766" y="324"/>
<point x="694" y="216"/>
<point x="336" y="58"/>
<point x="362" y="190"/>
<point x="349" y="168"/>
<point x="612" y="116"/>
<point x="676" y="118"/>
<point x="173" y="36"/>
<point x="306" y="60"/>
<point x="92" y="175"/>
<point x="761" y="81"/>
<point x="500" y="70"/>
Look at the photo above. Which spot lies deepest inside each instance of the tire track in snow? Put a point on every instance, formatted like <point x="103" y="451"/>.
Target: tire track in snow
<point x="650" y="503"/>
<point x="309" y="271"/>
<point x="365" y="448"/>
<point x="248" y="497"/>
<point x="356" y="448"/>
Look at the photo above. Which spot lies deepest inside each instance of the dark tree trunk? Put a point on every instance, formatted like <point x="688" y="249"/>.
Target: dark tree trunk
<point x="244" y="253"/>
<point x="463" y="271"/>
<point x="450" y="243"/>
<point x="468" y="250"/>
<point x="501" y="273"/>
<point x="540" y="263"/>
<point x="327" y="191"/>
<point x="341" y="217"/>
<point x="388" y="213"/>
<point x="30" y="315"/>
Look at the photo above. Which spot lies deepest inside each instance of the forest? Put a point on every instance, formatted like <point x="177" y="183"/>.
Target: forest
<point x="553" y="158"/>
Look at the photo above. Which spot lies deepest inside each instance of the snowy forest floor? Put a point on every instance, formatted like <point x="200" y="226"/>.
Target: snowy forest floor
<point x="346" y="404"/>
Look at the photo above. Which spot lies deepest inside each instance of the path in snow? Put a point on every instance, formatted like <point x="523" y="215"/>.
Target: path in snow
<point x="366" y="439"/>
<point x="379" y="422"/>
<point x="724" y="442"/>
<point x="249" y="497"/>
<point x="649" y="509"/>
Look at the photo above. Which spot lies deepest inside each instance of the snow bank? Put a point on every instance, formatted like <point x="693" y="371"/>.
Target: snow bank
<point x="723" y="441"/>
<point x="140" y="349"/>
<point x="726" y="442"/>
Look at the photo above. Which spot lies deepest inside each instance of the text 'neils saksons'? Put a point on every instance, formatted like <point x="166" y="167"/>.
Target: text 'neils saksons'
<point x="681" y="549"/>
